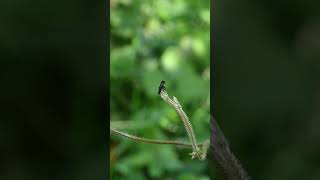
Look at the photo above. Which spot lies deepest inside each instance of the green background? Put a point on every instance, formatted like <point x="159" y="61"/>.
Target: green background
<point x="266" y="79"/>
<point x="152" y="41"/>
<point x="53" y="90"/>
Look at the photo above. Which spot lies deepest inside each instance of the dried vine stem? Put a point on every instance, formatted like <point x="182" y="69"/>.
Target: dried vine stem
<point x="197" y="152"/>
<point x="152" y="141"/>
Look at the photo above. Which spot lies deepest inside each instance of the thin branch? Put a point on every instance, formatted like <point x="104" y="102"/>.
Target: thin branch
<point x="151" y="141"/>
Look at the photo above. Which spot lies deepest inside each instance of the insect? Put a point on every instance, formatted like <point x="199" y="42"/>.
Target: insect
<point x="161" y="87"/>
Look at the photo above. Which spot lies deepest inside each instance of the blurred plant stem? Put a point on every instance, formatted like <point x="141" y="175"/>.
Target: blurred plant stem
<point x="223" y="155"/>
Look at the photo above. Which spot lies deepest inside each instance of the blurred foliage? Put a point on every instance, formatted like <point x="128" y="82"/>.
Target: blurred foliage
<point x="53" y="90"/>
<point x="267" y="90"/>
<point x="153" y="41"/>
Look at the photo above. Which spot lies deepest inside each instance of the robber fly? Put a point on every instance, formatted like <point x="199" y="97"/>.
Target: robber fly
<point x="161" y="87"/>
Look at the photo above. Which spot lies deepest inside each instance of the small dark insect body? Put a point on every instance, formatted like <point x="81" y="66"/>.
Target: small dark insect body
<point x="161" y="87"/>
